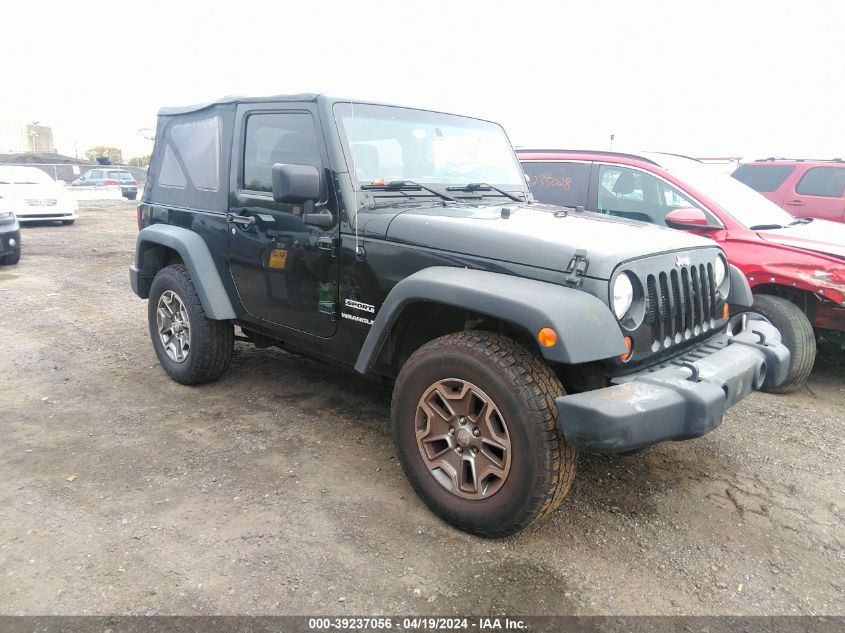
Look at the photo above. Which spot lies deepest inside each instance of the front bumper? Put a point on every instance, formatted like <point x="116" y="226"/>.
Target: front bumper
<point x="683" y="398"/>
<point x="10" y="239"/>
<point x="47" y="214"/>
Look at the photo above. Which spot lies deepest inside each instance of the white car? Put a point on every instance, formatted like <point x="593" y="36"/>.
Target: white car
<point x="35" y="197"/>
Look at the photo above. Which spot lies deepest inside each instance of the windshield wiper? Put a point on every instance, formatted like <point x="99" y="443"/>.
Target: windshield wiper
<point x="483" y="186"/>
<point x="399" y="185"/>
<point x="765" y="227"/>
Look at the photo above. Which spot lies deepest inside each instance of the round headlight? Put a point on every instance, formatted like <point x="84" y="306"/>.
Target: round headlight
<point x="623" y="295"/>
<point x="719" y="271"/>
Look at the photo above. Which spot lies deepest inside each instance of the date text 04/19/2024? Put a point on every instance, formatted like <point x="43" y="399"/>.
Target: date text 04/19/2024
<point x="416" y="623"/>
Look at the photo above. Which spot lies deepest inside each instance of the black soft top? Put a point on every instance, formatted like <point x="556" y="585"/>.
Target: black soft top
<point x="234" y="99"/>
<point x="190" y="164"/>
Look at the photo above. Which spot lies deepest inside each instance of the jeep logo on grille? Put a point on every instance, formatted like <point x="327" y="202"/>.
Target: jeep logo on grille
<point x="682" y="260"/>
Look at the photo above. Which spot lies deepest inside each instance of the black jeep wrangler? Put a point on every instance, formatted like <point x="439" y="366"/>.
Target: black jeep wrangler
<point x="405" y="244"/>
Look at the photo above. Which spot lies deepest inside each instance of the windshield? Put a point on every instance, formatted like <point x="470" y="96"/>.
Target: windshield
<point x="390" y="144"/>
<point x="23" y="176"/>
<point x="747" y="206"/>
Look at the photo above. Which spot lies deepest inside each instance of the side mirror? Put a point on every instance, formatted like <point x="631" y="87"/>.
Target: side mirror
<point x="295" y="184"/>
<point x="689" y="218"/>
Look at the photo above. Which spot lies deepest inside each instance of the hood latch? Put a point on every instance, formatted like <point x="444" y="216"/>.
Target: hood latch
<point x="577" y="268"/>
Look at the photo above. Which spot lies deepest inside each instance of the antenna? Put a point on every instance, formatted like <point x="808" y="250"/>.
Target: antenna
<point x="359" y="252"/>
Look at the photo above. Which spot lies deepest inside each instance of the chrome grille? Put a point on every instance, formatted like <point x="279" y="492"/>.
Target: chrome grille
<point x="680" y="304"/>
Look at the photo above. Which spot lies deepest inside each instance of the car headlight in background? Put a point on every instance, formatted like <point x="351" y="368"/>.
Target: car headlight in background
<point x="623" y="295"/>
<point x="719" y="271"/>
<point x="5" y="216"/>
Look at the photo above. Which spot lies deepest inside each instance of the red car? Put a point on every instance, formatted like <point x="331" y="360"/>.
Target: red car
<point x="805" y="188"/>
<point x="796" y="267"/>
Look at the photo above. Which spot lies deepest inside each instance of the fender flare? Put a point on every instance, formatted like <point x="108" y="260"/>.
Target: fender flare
<point x="194" y="252"/>
<point x="586" y="329"/>
<point x="740" y="293"/>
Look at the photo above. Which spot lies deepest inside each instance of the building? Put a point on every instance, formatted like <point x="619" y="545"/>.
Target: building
<point x="30" y="137"/>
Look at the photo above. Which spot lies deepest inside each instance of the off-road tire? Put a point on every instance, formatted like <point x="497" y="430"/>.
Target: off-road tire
<point x="523" y="388"/>
<point x="11" y="259"/>
<point x="797" y="335"/>
<point x="212" y="342"/>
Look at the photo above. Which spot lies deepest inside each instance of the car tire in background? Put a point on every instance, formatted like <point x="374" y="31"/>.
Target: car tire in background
<point x="797" y="335"/>
<point x="191" y="348"/>
<point x="130" y="196"/>
<point x="11" y="259"/>
<point x="477" y="433"/>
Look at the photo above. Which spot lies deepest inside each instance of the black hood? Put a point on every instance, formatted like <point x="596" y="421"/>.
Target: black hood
<point x="534" y="235"/>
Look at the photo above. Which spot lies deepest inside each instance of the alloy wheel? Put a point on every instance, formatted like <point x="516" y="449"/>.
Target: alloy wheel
<point x="174" y="327"/>
<point x="463" y="439"/>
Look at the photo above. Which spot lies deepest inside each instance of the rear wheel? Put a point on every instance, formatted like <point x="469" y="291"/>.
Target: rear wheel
<point x="477" y="432"/>
<point x="797" y="334"/>
<point x="191" y="348"/>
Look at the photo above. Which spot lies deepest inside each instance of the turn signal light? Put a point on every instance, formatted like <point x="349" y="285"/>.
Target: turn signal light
<point x="629" y="345"/>
<point x="726" y="312"/>
<point x="547" y="337"/>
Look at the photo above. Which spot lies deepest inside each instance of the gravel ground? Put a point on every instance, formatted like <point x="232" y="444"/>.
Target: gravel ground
<point x="276" y="490"/>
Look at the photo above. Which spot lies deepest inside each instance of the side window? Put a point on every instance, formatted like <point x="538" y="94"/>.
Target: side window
<point x="283" y="137"/>
<point x="88" y="175"/>
<point x="198" y="145"/>
<point x="822" y="181"/>
<point x="563" y="184"/>
<point x="170" y="173"/>
<point x="763" y="178"/>
<point x="636" y="195"/>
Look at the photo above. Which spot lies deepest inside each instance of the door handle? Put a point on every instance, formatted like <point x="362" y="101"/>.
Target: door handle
<point x="240" y="219"/>
<point x="796" y="203"/>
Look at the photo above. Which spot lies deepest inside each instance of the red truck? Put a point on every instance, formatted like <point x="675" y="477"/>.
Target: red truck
<point x="805" y="188"/>
<point x="795" y="266"/>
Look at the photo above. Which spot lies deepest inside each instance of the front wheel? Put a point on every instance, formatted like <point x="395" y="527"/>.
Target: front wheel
<point x="191" y="348"/>
<point x="797" y="335"/>
<point x="476" y="429"/>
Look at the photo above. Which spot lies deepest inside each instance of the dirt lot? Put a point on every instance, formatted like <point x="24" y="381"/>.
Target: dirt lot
<point x="123" y="492"/>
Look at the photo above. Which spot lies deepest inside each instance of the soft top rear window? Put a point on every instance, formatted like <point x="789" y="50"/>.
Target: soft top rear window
<point x="763" y="178"/>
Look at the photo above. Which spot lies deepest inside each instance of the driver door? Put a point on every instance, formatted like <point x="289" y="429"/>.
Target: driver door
<point x="286" y="272"/>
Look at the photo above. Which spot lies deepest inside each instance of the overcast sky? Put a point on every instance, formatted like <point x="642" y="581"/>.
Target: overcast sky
<point x="703" y="78"/>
